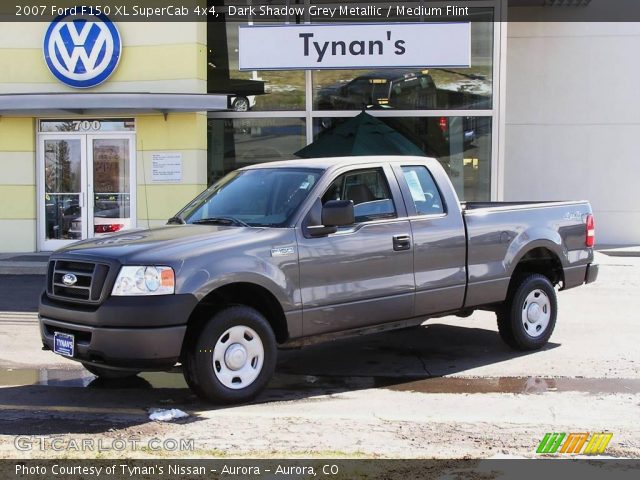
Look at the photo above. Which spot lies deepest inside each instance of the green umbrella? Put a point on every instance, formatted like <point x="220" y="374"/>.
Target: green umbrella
<point x="360" y="135"/>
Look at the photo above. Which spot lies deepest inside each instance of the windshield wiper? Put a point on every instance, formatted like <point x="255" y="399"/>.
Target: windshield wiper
<point x="221" y="221"/>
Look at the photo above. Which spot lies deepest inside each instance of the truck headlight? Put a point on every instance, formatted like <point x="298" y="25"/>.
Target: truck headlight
<point x="141" y="280"/>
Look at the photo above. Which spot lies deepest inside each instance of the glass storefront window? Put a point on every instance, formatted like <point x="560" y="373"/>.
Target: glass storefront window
<point x="111" y="185"/>
<point x="415" y="88"/>
<point x="462" y="145"/>
<point x="238" y="142"/>
<point x="407" y="99"/>
<point x="256" y="90"/>
<point x="62" y="187"/>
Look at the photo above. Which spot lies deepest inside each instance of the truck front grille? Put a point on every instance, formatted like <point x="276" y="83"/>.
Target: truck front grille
<point x="85" y="280"/>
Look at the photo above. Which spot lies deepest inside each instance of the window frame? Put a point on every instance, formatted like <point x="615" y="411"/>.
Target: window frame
<point x="379" y="171"/>
<point x="412" y="211"/>
<point x="331" y="174"/>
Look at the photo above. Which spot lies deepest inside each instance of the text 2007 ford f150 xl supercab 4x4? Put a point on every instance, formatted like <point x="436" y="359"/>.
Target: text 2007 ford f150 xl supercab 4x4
<point x="285" y="253"/>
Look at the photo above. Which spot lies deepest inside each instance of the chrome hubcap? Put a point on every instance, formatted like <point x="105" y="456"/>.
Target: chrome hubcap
<point x="536" y="313"/>
<point x="238" y="357"/>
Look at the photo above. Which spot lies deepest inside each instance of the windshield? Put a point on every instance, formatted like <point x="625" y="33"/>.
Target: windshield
<point x="262" y="197"/>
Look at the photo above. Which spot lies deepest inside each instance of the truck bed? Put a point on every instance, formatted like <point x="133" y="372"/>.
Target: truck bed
<point x="499" y="233"/>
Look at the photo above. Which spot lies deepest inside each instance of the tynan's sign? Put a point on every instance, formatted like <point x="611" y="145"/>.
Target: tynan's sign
<point x="82" y="51"/>
<point x="353" y="46"/>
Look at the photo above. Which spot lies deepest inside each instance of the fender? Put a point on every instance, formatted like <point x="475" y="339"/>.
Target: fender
<point x="246" y="269"/>
<point x="521" y="245"/>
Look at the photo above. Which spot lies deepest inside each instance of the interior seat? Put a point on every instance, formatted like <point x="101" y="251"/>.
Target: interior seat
<point x="359" y="194"/>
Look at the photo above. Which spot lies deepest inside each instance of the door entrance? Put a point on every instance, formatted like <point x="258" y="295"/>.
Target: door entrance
<point x="85" y="183"/>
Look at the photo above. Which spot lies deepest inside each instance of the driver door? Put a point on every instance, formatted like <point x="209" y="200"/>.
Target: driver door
<point x="363" y="274"/>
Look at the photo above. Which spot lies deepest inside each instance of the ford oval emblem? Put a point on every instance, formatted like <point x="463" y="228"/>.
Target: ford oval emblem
<point x="69" y="279"/>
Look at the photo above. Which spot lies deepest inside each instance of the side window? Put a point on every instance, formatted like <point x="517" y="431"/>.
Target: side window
<point x="369" y="192"/>
<point x="424" y="192"/>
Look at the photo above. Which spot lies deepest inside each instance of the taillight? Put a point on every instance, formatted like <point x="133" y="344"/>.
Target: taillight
<point x="443" y="123"/>
<point x="114" y="227"/>
<point x="590" y="240"/>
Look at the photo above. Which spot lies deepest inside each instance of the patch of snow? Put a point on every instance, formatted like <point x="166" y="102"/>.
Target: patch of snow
<point x="167" y="415"/>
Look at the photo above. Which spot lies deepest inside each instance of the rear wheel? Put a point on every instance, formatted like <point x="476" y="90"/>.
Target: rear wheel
<point x="108" y="373"/>
<point x="528" y="316"/>
<point x="233" y="357"/>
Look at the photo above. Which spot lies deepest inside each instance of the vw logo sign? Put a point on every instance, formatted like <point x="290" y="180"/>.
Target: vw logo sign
<point x="69" y="279"/>
<point x="82" y="51"/>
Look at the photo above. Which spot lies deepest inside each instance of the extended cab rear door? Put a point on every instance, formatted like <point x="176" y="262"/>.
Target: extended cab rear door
<point x="363" y="274"/>
<point x="439" y="239"/>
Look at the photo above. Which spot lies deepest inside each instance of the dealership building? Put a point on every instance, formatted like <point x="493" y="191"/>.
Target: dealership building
<point x="107" y="125"/>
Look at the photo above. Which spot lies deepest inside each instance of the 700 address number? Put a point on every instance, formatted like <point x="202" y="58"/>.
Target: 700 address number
<point x="86" y="125"/>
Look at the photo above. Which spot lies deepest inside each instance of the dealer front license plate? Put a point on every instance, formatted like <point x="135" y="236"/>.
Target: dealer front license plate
<point x="63" y="344"/>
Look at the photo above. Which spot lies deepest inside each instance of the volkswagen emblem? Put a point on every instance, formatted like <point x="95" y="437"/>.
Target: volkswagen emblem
<point x="82" y="51"/>
<point x="69" y="279"/>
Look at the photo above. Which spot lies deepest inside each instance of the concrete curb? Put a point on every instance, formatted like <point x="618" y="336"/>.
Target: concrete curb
<point x="630" y="251"/>
<point x="12" y="268"/>
<point x="16" y="264"/>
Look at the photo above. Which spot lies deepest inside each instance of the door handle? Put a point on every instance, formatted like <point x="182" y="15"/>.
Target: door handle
<point x="401" y="242"/>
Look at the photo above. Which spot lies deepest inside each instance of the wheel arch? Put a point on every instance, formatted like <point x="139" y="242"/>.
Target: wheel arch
<point x="540" y="258"/>
<point x="245" y="293"/>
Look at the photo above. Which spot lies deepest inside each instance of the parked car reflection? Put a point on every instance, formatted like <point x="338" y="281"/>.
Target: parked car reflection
<point x="60" y="211"/>
<point x="110" y="215"/>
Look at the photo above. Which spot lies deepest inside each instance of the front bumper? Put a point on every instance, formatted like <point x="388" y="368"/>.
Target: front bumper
<point x="138" y="333"/>
<point x="130" y="348"/>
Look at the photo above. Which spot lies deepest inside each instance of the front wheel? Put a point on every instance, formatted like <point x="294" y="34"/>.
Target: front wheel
<point x="528" y="316"/>
<point x="233" y="357"/>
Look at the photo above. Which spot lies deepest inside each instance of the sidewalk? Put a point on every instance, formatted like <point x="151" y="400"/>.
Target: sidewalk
<point x="23" y="263"/>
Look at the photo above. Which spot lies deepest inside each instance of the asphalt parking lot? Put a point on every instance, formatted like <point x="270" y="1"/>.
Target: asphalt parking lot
<point x="449" y="388"/>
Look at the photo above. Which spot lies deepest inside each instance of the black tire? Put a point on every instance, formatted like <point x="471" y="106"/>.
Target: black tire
<point x="202" y="375"/>
<point x="188" y="367"/>
<point x="108" y="373"/>
<point x="511" y="324"/>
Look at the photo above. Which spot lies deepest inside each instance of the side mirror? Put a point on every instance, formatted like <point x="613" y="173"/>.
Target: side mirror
<point x="338" y="213"/>
<point x="335" y="213"/>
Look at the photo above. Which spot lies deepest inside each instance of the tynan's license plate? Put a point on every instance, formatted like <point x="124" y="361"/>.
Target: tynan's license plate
<point x="63" y="344"/>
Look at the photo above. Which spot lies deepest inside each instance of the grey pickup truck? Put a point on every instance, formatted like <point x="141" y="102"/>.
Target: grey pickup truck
<point x="287" y="253"/>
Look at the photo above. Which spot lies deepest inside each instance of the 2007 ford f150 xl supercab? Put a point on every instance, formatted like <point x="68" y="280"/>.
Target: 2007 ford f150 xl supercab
<point x="285" y="253"/>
